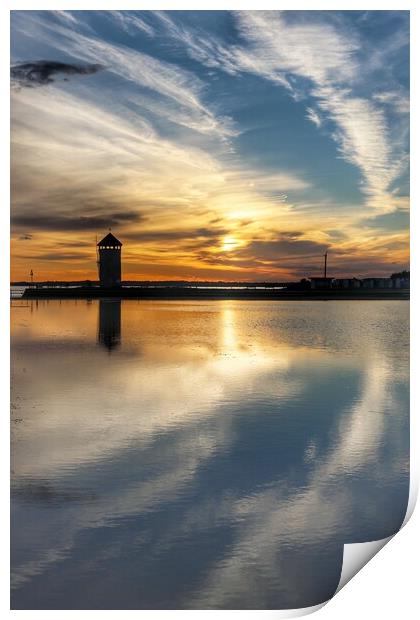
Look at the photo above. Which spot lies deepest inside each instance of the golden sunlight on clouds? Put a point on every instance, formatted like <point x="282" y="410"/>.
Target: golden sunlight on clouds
<point x="174" y="209"/>
<point x="198" y="172"/>
<point x="181" y="211"/>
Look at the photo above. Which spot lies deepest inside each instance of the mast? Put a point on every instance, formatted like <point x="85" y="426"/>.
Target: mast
<point x="97" y="255"/>
<point x="325" y="264"/>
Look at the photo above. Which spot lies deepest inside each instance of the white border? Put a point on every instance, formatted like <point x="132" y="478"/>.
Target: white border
<point x="386" y="586"/>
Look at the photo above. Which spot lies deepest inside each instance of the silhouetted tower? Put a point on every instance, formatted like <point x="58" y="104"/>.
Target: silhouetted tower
<point x="109" y="262"/>
<point x="325" y="264"/>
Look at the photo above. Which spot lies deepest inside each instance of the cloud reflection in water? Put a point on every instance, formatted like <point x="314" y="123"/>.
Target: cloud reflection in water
<point x="219" y="457"/>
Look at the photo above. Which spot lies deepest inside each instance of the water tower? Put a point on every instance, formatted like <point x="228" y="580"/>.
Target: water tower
<point x="109" y="261"/>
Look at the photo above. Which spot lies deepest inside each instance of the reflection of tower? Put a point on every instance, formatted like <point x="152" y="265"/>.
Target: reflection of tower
<point x="109" y="330"/>
<point x="109" y="261"/>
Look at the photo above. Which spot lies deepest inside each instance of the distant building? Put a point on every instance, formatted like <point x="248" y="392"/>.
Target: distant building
<point x="346" y="283"/>
<point x="109" y="261"/>
<point x="367" y="283"/>
<point x="400" y="282"/>
<point x="321" y="282"/>
<point x="377" y="283"/>
<point x="386" y="282"/>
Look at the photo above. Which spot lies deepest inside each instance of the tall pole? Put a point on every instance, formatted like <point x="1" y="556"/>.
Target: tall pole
<point x="97" y="254"/>
<point x="325" y="264"/>
<point x="32" y="277"/>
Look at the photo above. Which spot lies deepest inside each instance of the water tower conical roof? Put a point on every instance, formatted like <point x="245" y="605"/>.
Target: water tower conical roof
<point x="109" y="239"/>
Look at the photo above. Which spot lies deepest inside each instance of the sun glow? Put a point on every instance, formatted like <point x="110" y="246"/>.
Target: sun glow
<point x="230" y="243"/>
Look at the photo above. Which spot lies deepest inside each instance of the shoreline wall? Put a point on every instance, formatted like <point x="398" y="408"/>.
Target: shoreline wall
<point x="181" y="293"/>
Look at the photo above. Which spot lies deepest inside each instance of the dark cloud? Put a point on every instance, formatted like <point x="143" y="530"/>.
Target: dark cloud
<point x="336" y="235"/>
<point x="207" y="234"/>
<point x="79" y="243"/>
<point x="291" y="234"/>
<point x="65" y="256"/>
<point x="158" y="235"/>
<point x="287" y="246"/>
<point x="25" y="237"/>
<point x="64" y="222"/>
<point x="277" y="254"/>
<point x="43" y="72"/>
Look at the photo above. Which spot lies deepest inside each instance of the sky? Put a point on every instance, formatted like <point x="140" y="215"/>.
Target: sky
<point x="216" y="145"/>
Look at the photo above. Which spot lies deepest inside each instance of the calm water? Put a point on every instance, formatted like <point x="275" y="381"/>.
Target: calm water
<point x="202" y="454"/>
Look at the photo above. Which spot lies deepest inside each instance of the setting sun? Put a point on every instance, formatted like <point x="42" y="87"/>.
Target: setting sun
<point x="230" y="243"/>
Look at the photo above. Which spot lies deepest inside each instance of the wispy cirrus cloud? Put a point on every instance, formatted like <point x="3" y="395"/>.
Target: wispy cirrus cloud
<point x="325" y="58"/>
<point x="398" y="100"/>
<point x="314" y="50"/>
<point x="314" y="117"/>
<point x="131" y="22"/>
<point x="98" y="157"/>
<point x="362" y="138"/>
<point x="176" y="86"/>
<point x="73" y="222"/>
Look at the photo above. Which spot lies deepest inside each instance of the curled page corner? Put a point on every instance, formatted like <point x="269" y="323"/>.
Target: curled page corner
<point x="305" y="611"/>
<point x="356" y="556"/>
<point x="297" y="613"/>
<point x="412" y="498"/>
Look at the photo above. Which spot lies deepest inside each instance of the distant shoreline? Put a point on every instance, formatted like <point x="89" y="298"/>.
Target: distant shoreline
<point x="185" y="293"/>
